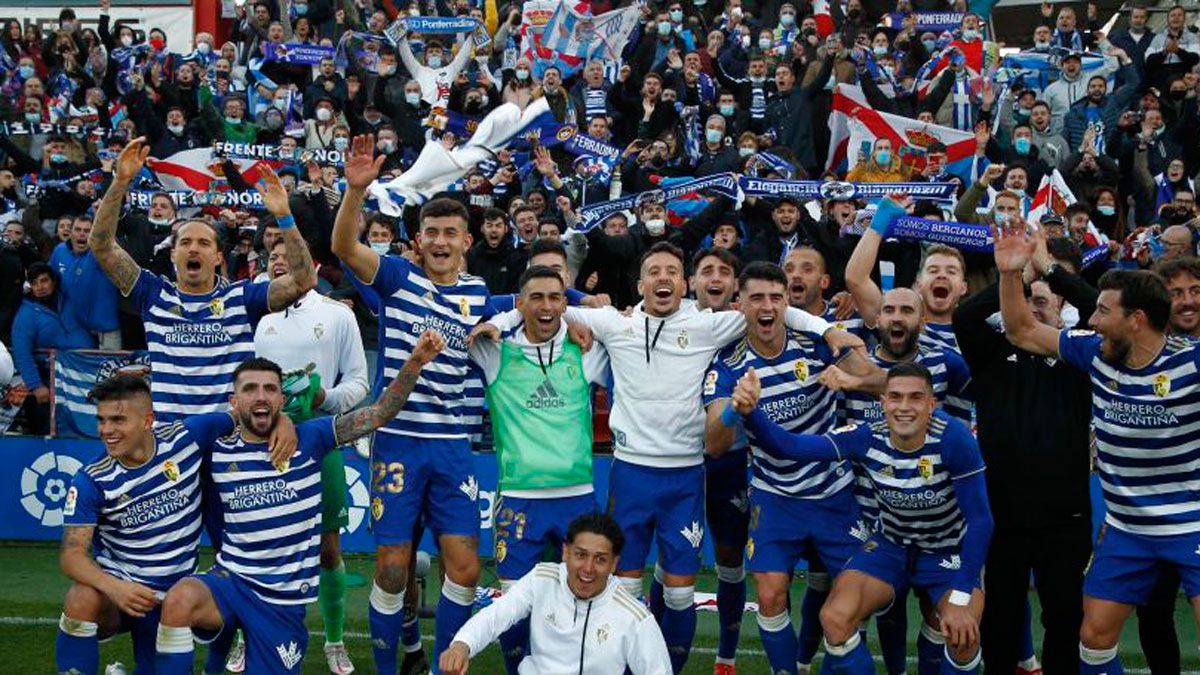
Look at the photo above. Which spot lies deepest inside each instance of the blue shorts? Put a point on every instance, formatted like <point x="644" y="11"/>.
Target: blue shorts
<point x="415" y="478"/>
<point x="784" y="530"/>
<point x="726" y="480"/>
<point x="663" y="506"/>
<point x="904" y="567"/>
<point x="526" y="527"/>
<point x="1126" y="566"/>
<point x="276" y="638"/>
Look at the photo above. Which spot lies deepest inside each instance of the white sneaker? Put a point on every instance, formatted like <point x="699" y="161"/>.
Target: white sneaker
<point x="117" y="668"/>
<point x="236" y="662"/>
<point x="338" y="659"/>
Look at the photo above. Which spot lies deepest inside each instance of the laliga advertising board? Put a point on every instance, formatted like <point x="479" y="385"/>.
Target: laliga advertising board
<point x="36" y="488"/>
<point x="173" y="18"/>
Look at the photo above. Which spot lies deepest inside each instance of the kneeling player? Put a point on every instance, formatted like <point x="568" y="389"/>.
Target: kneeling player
<point x="267" y="567"/>
<point x="934" y="526"/>
<point x="137" y="508"/>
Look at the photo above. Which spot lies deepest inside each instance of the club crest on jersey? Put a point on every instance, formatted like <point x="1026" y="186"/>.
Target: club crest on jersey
<point x="501" y="550"/>
<point x="888" y="471"/>
<point x="925" y="467"/>
<point x="377" y="508"/>
<point x="602" y="634"/>
<point x="801" y="370"/>
<point x="710" y="383"/>
<point x="319" y="331"/>
<point x="217" y="307"/>
<point x="682" y="339"/>
<point x="750" y="548"/>
<point x="171" y="470"/>
<point x="464" y="307"/>
<point x="1162" y="385"/>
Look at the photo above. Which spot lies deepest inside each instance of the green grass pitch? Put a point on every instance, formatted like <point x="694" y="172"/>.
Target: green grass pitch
<point x="31" y="591"/>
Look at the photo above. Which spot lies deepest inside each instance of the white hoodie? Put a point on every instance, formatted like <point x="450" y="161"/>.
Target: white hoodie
<point x="569" y="636"/>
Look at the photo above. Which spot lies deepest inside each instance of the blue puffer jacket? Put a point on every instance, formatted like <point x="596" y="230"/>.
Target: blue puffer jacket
<point x="1075" y="123"/>
<point x="40" y="327"/>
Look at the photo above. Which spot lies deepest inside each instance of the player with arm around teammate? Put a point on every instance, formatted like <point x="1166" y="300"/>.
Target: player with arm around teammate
<point x="267" y="567"/>
<point x="934" y="520"/>
<point x="132" y="523"/>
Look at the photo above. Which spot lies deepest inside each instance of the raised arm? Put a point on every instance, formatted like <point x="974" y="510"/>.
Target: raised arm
<point x="117" y="264"/>
<point x="1013" y="250"/>
<point x="867" y="296"/>
<point x="363" y="421"/>
<point x="302" y="275"/>
<point x="361" y="169"/>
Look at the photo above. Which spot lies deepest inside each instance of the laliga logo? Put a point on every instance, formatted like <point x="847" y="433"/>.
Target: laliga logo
<point x="838" y="190"/>
<point x="44" y="485"/>
<point x="360" y="500"/>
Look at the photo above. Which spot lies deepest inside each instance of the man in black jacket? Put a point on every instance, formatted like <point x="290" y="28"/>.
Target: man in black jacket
<point x="495" y="258"/>
<point x="1033" y="418"/>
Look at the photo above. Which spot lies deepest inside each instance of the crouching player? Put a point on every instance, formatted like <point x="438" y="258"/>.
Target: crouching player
<point x="267" y="568"/>
<point x="934" y="521"/>
<point x="132" y="523"/>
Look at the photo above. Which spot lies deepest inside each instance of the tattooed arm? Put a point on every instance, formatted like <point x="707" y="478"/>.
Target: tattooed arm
<point x="116" y="263"/>
<point x="301" y="276"/>
<point x="363" y="421"/>
<point x="76" y="562"/>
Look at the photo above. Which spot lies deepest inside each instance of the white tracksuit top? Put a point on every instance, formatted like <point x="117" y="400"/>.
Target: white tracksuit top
<point x="569" y="636"/>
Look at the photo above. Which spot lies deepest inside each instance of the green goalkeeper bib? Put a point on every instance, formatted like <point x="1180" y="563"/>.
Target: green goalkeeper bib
<point x="541" y="420"/>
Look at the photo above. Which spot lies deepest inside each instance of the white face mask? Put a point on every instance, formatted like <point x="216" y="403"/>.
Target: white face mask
<point x="341" y="143"/>
<point x="745" y="152"/>
<point x="522" y="74"/>
<point x="434" y="60"/>
<point x="381" y="247"/>
<point x="204" y="48"/>
<point x="386" y="147"/>
<point x="175" y="128"/>
<point x="324" y="114"/>
<point x="126" y="40"/>
<point x="412" y="98"/>
<point x="656" y="226"/>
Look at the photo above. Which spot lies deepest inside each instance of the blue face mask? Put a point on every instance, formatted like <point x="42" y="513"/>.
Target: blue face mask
<point x="664" y="27"/>
<point x="381" y="247"/>
<point x="1022" y="145"/>
<point x="970" y="34"/>
<point x="33" y="118"/>
<point x="883" y="157"/>
<point x="930" y="45"/>
<point x="713" y="135"/>
<point x="1106" y="210"/>
<point x="26" y="72"/>
<point x="676" y="15"/>
<point x="726" y="110"/>
<point x="301" y="10"/>
<point x="58" y="158"/>
<point x="879" y="50"/>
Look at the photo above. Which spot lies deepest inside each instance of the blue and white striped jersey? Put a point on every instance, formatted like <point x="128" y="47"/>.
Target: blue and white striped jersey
<point x="272" y="532"/>
<point x="1147" y="425"/>
<point x="196" y="341"/>
<point x="147" y="518"/>
<point x="951" y="379"/>
<point x="939" y="336"/>
<point x="853" y="325"/>
<point x="411" y="304"/>
<point x="793" y="398"/>
<point x="915" y="490"/>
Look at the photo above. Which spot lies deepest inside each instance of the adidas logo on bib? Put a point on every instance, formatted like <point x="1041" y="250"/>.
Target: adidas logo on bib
<point x="545" y="396"/>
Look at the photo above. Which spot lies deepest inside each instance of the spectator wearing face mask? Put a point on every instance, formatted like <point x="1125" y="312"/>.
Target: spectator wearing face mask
<point x="54" y="167"/>
<point x="328" y="82"/>
<point x="518" y="83"/>
<point x="438" y="71"/>
<point x="658" y="38"/>
<point x="881" y="166"/>
<point x="176" y="133"/>
<point x="321" y="128"/>
<point x="229" y="122"/>
<point x="716" y="154"/>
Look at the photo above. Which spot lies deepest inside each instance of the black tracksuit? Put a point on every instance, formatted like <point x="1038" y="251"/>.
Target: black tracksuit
<point x="1033" y="417"/>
